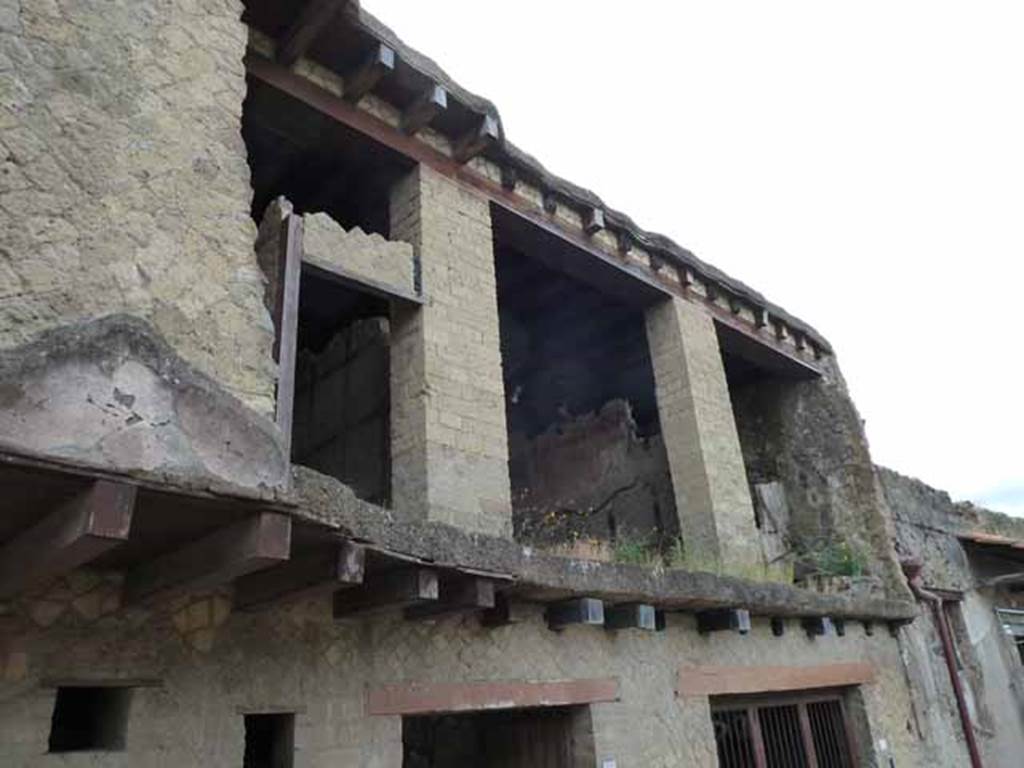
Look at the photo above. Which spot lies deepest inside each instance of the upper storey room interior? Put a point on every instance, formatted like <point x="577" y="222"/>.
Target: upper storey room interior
<point x="339" y="111"/>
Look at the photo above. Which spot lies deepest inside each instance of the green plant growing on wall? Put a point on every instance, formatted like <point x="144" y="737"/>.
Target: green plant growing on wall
<point x="834" y="557"/>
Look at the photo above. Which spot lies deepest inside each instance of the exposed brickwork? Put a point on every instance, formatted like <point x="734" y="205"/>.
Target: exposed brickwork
<point x="449" y="440"/>
<point x="716" y="516"/>
<point x="123" y="179"/>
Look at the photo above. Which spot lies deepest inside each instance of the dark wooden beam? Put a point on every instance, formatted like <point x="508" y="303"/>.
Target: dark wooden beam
<point x="630" y="616"/>
<point x="456" y="594"/>
<point x="869" y="628"/>
<point x="379" y="63"/>
<point x="778" y="626"/>
<point x="306" y="28"/>
<point x="549" y="202"/>
<point x="76" y="532"/>
<point x="286" y="323"/>
<point x="593" y="220"/>
<point x="626" y="242"/>
<point x="483" y="135"/>
<point x="509" y="178"/>
<point x="304" y="577"/>
<point x="724" y="620"/>
<point x="840" y="627"/>
<point x="580" y="610"/>
<point x="816" y="626"/>
<point x="399" y="588"/>
<point x="424" y="108"/>
<point x="228" y="553"/>
<point x="505" y="611"/>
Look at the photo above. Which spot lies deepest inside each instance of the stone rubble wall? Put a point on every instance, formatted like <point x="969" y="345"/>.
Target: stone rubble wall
<point x="326" y="243"/>
<point x="124" y="186"/>
<point x="212" y="664"/>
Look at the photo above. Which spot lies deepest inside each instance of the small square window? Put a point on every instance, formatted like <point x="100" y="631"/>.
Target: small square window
<point x="269" y="741"/>
<point x="89" y="718"/>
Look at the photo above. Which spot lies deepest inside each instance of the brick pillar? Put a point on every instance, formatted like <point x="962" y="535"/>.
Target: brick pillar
<point x="449" y="444"/>
<point x="716" y="515"/>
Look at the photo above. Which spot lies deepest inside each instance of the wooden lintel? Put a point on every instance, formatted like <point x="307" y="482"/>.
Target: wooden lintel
<point x="304" y="577"/>
<point x="593" y="220"/>
<point x="505" y="611"/>
<point x="423" y="698"/>
<point x="483" y="135"/>
<point x="249" y="545"/>
<point x="311" y="21"/>
<point x="399" y="588"/>
<point x="579" y="610"/>
<point x="78" y="531"/>
<point x="724" y="620"/>
<point x="630" y="616"/>
<point x="816" y="626"/>
<point x="715" y="681"/>
<point x="379" y="63"/>
<point x="456" y="594"/>
<point x="424" y="108"/>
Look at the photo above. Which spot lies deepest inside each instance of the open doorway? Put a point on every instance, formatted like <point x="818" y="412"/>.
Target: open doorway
<point x="554" y="737"/>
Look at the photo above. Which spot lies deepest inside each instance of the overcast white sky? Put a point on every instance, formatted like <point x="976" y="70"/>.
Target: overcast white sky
<point x="860" y="163"/>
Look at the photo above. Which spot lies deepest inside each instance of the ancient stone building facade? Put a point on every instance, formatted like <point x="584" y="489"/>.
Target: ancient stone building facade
<point x="336" y="431"/>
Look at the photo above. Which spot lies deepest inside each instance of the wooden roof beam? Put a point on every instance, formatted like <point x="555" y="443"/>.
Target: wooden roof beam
<point x="399" y="588"/>
<point x="343" y="566"/>
<point x="249" y="545"/>
<point x="593" y="220"/>
<point x="484" y="135"/>
<point x="379" y="63"/>
<point x="424" y="108"/>
<point x="306" y="28"/>
<point x="457" y="594"/>
<point x="80" y="530"/>
<point x="630" y="616"/>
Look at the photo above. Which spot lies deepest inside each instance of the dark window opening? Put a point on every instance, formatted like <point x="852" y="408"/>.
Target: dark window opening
<point x="586" y="459"/>
<point x="269" y="741"/>
<point x="791" y="500"/>
<point x="316" y="162"/>
<point x="89" y="718"/>
<point x="341" y="415"/>
<point x="556" y="737"/>
<point x="783" y="732"/>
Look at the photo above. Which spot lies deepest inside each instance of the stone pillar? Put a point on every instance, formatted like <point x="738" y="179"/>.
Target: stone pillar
<point x="716" y="515"/>
<point x="449" y="443"/>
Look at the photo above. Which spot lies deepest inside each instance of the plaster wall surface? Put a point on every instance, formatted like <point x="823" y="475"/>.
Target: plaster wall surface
<point x="713" y="503"/>
<point x="124" y="186"/>
<point x="211" y="665"/>
<point x="325" y="242"/>
<point x="448" y="431"/>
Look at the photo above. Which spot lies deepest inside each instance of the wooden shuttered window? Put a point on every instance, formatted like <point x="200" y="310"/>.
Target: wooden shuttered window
<point x="783" y="732"/>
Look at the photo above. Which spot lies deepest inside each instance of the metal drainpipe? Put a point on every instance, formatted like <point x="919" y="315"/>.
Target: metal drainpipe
<point x="913" y="572"/>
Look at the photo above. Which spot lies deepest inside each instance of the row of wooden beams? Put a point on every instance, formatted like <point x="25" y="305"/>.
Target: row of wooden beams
<point x="502" y="193"/>
<point x="590" y="611"/>
<point x="399" y="588"/>
<point x="311" y="21"/>
<point x="80" y="530"/>
<point x="486" y="134"/>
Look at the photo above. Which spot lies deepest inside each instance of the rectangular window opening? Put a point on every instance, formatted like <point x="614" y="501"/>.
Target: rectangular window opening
<point x="782" y="732"/>
<point x="269" y="741"/>
<point x="89" y="718"/>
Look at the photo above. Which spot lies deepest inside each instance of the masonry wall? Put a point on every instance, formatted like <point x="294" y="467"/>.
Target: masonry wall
<point x="449" y="439"/>
<point x="210" y="665"/>
<point x="123" y="179"/>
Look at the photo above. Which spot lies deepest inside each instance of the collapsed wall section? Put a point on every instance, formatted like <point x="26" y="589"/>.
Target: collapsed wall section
<point x="124" y="186"/>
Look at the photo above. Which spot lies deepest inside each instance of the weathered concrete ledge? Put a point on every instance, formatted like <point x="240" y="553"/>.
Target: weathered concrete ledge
<point x="328" y="502"/>
<point x="111" y="393"/>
